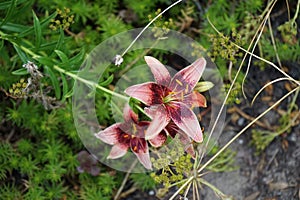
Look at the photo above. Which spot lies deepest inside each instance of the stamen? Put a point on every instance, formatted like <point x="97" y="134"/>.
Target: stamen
<point x="179" y="82"/>
<point x="126" y="136"/>
<point x="187" y="88"/>
<point x="134" y="128"/>
<point x="135" y="148"/>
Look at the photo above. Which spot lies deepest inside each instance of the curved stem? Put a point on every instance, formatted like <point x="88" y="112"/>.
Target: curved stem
<point x="155" y="18"/>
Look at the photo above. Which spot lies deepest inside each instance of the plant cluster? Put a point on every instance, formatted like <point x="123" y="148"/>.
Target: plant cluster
<point x="42" y="46"/>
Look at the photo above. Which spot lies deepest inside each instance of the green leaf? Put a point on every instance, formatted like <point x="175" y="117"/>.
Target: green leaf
<point x="45" y="61"/>
<point x="70" y="93"/>
<point x="20" y="72"/>
<point x="64" y="85"/>
<point x="21" y="54"/>
<point x="60" y="39"/>
<point x="37" y="30"/>
<point x="63" y="57"/>
<point x="1" y="44"/>
<point x="107" y="81"/>
<point x="17" y="28"/>
<point x="6" y="4"/>
<point x="42" y="24"/>
<point x="78" y="59"/>
<point x="9" y="12"/>
<point x="54" y="81"/>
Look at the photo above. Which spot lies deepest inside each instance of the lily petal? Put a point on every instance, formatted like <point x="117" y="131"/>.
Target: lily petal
<point x="139" y="147"/>
<point x="144" y="158"/>
<point x="109" y="135"/>
<point x="159" y="71"/>
<point x="186" y="79"/>
<point x="160" y="120"/>
<point x="195" y="99"/>
<point x="159" y="140"/>
<point x="185" y="119"/>
<point x="129" y="115"/>
<point x="149" y="93"/>
<point x="187" y="142"/>
<point x="117" y="151"/>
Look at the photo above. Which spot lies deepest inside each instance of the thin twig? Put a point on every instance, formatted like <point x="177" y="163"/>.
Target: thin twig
<point x="259" y="33"/>
<point x="245" y="128"/>
<point x="125" y="180"/>
<point x="246" y="116"/>
<point x="274" y="43"/>
<point x="155" y="18"/>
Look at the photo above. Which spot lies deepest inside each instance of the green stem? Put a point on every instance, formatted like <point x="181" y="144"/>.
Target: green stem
<point x="297" y="11"/>
<point x="93" y="84"/>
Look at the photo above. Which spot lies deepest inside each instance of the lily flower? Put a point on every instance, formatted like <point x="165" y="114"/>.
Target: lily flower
<point x="172" y="129"/>
<point x="172" y="98"/>
<point x="130" y="134"/>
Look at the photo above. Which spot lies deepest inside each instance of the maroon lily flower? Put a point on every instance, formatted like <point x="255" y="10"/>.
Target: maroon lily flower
<point x="172" y="98"/>
<point x="172" y="129"/>
<point x="130" y="134"/>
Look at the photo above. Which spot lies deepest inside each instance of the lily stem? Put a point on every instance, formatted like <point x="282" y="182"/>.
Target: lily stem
<point x="93" y="84"/>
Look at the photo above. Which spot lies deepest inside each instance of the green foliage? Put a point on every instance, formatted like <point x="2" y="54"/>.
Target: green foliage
<point x="224" y="162"/>
<point x="38" y="154"/>
<point x="175" y="166"/>
<point x="143" y="181"/>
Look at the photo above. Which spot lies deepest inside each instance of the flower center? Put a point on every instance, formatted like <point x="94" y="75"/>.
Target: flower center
<point x="174" y="96"/>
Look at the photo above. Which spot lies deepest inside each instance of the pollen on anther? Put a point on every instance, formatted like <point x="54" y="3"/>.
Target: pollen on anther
<point x="135" y="148"/>
<point x="187" y="88"/>
<point x="179" y="82"/>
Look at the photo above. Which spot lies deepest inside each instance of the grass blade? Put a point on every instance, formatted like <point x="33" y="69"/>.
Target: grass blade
<point x="37" y="30"/>
<point x="9" y="12"/>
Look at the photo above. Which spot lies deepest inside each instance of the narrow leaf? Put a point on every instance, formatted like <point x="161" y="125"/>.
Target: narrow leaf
<point x="21" y="54"/>
<point x="60" y="39"/>
<point x="37" y="30"/>
<point x="1" y="44"/>
<point x="107" y="81"/>
<point x="9" y="12"/>
<point x="54" y="81"/>
<point x="17" y="28"/>
<point x="45" y="61"/>
<point x="20" y="72"/>
<point x="65" y="86"/>
<point x="42" y="24"/>
<point x="63" y="57"/>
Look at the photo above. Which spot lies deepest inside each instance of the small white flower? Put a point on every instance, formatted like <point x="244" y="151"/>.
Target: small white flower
<point x="118" y="60"/>
<point x="32" y="69"/>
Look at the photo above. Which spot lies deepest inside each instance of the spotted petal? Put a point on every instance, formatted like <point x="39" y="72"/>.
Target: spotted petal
<point x="185" y="119"/>
<point x="159" y="71"/>
<point x="160" y="120"/>
<point x="109" y="135"/>
<point x="186" y="79"/>
<point x="117" y="151"/>
<point x="149" y="93"/>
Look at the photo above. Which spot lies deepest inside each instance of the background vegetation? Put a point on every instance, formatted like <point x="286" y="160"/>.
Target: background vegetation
<point x="40" y="149"/>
